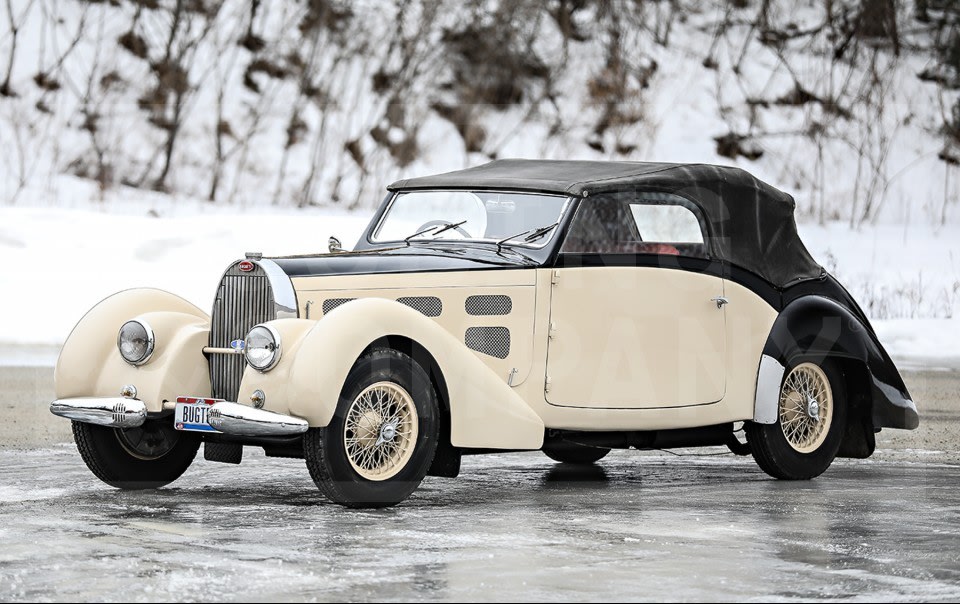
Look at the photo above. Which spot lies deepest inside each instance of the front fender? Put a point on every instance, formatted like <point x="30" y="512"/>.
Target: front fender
<point x="90" y="364"/>
<point x="815" y="325"/>
<point x="317" y="356"/>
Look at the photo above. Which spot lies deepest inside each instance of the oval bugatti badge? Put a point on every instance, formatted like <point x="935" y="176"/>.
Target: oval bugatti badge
<point x="246" y="266"/>
<point x="238" y="344"/>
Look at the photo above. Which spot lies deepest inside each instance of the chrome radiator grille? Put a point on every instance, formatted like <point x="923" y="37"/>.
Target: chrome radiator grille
<point x="243" y="300"/>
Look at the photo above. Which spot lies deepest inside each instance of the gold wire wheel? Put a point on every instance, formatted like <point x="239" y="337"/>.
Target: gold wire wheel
<point x="806" y="407"/>
<point x="380" y="431"/>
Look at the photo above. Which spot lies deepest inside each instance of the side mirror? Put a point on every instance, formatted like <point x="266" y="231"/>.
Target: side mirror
<point x="334" y="245"/>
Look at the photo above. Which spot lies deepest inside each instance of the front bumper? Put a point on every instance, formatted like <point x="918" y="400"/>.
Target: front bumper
<point x="241" y="420"/>
<point x="229" y="418"/>
<point x="113" y="412"/>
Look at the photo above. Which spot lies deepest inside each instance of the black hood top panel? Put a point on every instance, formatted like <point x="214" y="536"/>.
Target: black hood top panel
<point x="413" y="259"/>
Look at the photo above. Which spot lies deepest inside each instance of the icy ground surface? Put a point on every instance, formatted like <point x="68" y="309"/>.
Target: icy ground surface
<point x="60" y="263"/>
<point x="512" y="527"/>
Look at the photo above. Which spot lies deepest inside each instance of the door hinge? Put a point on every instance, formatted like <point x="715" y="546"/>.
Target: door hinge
<point x="513" y="374"/>
<point x="307" y="308"/>
<point x="555" y="277"/>
<point x="546" y="384"/>
<point x="552" y="332"/>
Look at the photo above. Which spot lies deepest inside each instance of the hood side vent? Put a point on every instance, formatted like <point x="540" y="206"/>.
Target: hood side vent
<point x="488" y="305"/>
<point x="430" y="306"/>
<point x="493" y="341"/>
<point x="331" y="303"/>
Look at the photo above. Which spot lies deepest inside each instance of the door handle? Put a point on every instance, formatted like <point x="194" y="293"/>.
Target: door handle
<point x="720" y="300"/>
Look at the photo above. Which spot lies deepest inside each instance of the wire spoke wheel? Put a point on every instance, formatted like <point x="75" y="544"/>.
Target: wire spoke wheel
<point x="806" y="407"/>
<point x="380" y="431"/>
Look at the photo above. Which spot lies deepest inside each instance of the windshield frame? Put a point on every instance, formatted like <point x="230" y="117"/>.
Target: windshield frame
<point x="540" y="244"/>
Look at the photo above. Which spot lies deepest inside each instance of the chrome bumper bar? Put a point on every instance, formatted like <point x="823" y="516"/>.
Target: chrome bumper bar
<point x="114" y="412"/>
<point x="241" y="420"/>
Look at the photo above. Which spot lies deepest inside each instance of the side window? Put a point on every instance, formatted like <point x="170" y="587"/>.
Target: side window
<point x="665" y="223"/>
<point x="636" y="223"/>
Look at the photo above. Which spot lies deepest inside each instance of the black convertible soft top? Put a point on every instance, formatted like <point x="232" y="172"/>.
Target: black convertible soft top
<point x="751" y="223"/>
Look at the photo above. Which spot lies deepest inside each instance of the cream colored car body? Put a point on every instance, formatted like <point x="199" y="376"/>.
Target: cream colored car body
<point x="653" y="349"/>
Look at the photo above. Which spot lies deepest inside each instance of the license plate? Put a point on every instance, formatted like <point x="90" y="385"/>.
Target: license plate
<point x="191" y="414"/>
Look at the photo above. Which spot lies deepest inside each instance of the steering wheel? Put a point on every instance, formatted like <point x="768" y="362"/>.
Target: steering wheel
<point x="442" y="223"/>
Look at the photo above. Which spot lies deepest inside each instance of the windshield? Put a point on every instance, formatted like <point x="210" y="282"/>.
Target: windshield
<point x="471" y="216"/>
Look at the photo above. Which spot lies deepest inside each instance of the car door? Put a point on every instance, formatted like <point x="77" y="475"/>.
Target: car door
<point x="637" y="316"/>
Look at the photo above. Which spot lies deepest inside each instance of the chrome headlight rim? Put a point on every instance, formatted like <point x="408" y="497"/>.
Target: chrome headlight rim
<point x="277" y="348"/>
<point x="151" y="342"/>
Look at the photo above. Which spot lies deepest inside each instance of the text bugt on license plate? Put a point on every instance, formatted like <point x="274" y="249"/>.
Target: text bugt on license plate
<point x="191" y="414"/>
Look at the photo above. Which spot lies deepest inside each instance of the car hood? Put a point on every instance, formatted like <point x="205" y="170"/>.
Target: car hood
<point x="412" y="259"/>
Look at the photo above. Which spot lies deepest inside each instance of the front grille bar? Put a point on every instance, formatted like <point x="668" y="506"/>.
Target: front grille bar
<point x="243" y="300"/>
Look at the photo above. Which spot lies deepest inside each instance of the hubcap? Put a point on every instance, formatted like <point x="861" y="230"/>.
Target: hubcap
<point x="806" y="407"/>
<point x="387" y="433"/>
<point x="152" y="440"/>
<point x="380" y="431"/>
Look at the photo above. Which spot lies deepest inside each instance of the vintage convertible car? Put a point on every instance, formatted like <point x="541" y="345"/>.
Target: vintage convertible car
<point x="567" y="306"/>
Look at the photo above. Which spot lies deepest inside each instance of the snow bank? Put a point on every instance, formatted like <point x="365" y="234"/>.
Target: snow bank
<point x="894" y="272"/>
<point x="58" y="264"/>
<point x="922" y="342"/>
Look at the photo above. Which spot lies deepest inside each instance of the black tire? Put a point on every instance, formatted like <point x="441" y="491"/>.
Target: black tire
<point x="774" y="453"/>
<point x="573" y="453"/>
<point x="148" y="457"/>
<point x="325" y="450"/>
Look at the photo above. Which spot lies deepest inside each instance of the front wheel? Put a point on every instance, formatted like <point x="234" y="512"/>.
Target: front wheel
<point x="804" y="440"/>
<point x="381" y="441"/>
<point x="146" y="457"/>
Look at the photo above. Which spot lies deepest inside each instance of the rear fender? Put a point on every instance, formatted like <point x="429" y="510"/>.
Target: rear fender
<point x="90" y="363"/>
<point x="818" y="326"/>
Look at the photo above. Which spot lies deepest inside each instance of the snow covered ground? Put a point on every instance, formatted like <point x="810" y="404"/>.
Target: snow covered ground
<point x="59" y="263"/>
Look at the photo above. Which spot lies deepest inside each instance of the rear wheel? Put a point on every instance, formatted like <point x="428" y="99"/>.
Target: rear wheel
<point x="810" y="422"/>
<point x="573" y="453"/>
<point x="145" y="457"/>
<point x="382" y="438"/>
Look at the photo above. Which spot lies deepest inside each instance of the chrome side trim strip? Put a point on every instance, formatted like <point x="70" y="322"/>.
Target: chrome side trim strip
<point x="284" y="296"/>
<point x="767" y="402"/>
<point x="234" y="418"/>
<point x="111" y="412"/>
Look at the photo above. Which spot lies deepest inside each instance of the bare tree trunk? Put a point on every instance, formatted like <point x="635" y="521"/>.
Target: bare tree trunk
<point x="172" y="132"/>
<point x="946" y="194"/>
<point x="5" y="89"/>
<point x="218" y="141"/>
<point x="174" y="124"/>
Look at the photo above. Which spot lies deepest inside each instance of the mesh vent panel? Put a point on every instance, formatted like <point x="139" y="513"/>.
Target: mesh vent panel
<point x="494" y="341"/>
<point x="331" y="303"/>
<point x="430" y="306"/>
<point x="488" y="305"/>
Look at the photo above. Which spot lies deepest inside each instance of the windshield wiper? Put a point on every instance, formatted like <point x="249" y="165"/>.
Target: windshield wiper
<point x="450" y="225"/>
<point x="446" y="227"/>
<point x="531" y="235"/>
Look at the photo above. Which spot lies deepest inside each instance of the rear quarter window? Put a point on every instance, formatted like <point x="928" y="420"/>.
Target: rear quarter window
<point x="637" y="223"/>
<point x="666" y="223"/>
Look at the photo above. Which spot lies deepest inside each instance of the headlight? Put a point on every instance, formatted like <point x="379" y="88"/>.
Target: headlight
<point x="262" y="348"/>
<point x="135" y="342"/>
